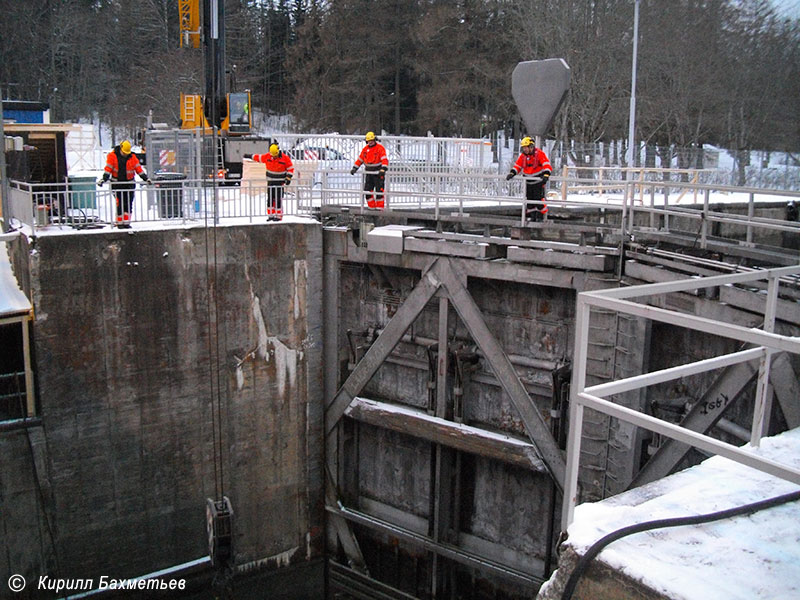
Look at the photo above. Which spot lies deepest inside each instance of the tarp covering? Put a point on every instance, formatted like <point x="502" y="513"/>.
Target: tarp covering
<point x="12" y="300"/>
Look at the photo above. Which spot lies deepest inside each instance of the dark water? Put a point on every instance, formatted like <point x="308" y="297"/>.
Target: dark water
<point x="301" y="582"/>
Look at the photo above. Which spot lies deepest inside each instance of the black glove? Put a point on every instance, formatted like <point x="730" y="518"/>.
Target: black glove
<point x="353" y="170"/>
<point x="100" y="182"/>
<point x="146" y="179"/>
<point x="288" y="180"/>
<point x="382" y="171"/>
<point x="545" y="176"/>
<point x="247" y="156"/>
<point x="510" y="176"/>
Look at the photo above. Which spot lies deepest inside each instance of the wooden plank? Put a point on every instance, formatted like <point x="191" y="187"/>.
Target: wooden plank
<point x="254" y="172"/>
<point x="448" y="433"/>
<point x="504" y="241"/>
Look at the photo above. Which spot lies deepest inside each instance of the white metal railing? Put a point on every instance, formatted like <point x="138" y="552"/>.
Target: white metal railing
<point x="416" y="154"/>
<point x="595" y="397"/>
<point x="81" y="202"/>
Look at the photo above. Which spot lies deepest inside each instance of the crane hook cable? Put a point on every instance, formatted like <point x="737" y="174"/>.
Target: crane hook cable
<point x="213" y="354"/>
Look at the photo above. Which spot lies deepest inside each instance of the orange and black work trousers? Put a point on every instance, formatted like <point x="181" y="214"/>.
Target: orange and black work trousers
<point x="374" y="182"/>
<point x="535" y="206"/>
<point x="124" y="191"/>
<point x="275" y="194"/>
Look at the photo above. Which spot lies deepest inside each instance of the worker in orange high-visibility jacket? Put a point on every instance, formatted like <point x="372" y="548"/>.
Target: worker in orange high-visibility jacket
<point x="376" y="163"/>
<point x="121" y="167"/>
<point x="280" y="171"/>
<point x="535" y="168"/>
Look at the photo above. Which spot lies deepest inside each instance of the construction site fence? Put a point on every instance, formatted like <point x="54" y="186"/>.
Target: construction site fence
<point x="631" y="205"/>
<point x="193" y="153"/>
<point x="198" y="154"/>
<point x="713" y="166"/>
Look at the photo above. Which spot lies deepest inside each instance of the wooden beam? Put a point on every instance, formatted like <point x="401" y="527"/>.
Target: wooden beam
<point x="454" y="435"/>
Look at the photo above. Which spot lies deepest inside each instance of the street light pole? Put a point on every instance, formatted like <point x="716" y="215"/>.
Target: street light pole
<point x="632" y="116"/>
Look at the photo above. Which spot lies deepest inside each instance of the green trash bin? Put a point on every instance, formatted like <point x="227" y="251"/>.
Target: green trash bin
<point x="83" y="192"/>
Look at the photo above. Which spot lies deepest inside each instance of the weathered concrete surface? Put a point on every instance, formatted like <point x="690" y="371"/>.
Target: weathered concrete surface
<point x="135" y="403"/>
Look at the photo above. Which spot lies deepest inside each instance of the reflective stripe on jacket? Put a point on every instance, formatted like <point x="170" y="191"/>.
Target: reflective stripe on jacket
<point x="278" y="168"/>
<point x="533" y="164"/>
<point x="130" y="165"/>
<point x="373" y="158"/>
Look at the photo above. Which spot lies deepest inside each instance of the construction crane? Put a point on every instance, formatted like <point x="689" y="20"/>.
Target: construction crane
<point x="229" y="112"/>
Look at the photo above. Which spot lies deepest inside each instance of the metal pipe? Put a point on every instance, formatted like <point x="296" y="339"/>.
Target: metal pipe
<point x="516" y="359"/>
<point x="732" y="428"/>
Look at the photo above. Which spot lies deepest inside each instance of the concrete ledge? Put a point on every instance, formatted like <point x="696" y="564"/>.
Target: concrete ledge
<point x="552" y="258"/>
<point x="451" y="248"/>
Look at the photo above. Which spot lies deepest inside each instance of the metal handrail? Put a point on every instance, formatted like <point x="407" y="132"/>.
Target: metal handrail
<point x="767" y="342"/>
<point x="69" y="204"/>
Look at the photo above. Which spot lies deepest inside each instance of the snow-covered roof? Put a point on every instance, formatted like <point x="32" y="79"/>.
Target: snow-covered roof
<point x="749" y="557"/>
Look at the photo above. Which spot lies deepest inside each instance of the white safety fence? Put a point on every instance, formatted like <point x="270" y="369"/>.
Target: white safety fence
<point x="174" y="199"/>
<point x="596" y="397"/>
<point x="171" y="201"/>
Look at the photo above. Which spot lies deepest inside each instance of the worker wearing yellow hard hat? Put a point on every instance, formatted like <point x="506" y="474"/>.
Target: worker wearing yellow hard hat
<point x="376" y="163"/>
<point x="535" y="168"/>
<point x="280" y="171"/>
<point x="122" y="165"/>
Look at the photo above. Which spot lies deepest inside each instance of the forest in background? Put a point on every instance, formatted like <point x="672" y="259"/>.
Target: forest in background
<point x="722" y="72"/>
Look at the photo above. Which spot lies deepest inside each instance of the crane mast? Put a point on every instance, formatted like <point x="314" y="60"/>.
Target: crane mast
<point x="215" y="104"/>
<point x="230" y="112"/>
<point x="218" y="109"/>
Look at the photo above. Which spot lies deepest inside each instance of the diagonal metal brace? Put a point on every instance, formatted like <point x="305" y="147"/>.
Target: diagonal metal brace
<point x="382" y="347"/>
<point x="535" y="424"/>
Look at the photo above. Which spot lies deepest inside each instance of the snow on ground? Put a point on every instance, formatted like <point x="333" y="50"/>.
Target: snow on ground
<point x="754" y="557"/>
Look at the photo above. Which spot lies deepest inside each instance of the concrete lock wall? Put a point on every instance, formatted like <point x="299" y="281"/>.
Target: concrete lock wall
<point x="115" y="479"/>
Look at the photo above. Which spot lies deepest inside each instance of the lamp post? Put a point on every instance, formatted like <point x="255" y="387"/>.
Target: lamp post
<point x="4" y="188"/>
<point x="632" y="116"/>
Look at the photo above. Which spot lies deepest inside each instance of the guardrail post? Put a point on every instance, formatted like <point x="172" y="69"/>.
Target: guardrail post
<point x="750" y="212"/>
<point x="652" y="206"/>
<point x="570" y="498"/>
<point x="704" y="224"/>
<point x="763" y="391"/>
<point x="564" y="175"/>
<point x="624" y="216"/>
<point x="323" y="193"/>
<point x="631" y="212"/>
